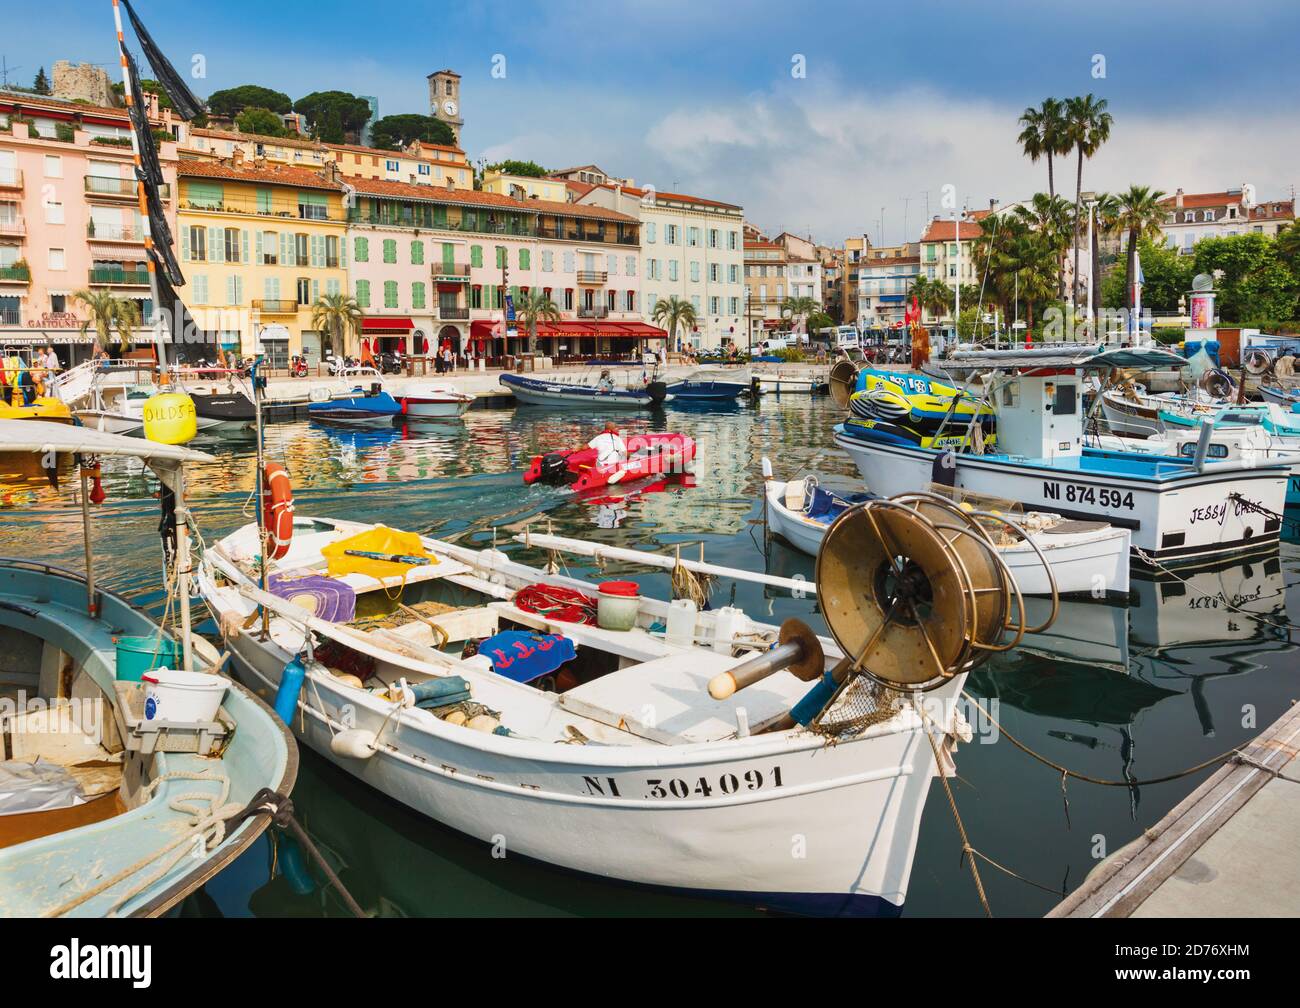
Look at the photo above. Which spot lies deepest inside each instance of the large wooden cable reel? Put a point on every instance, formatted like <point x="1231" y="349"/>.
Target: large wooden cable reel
<point x="914" y="591"/>
<point x="843" y="381"/>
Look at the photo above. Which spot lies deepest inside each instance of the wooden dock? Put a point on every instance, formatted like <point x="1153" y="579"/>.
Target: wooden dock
<point x="1230" y="849"/>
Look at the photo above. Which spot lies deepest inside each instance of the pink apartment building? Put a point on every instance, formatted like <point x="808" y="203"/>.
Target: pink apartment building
<point x="69" y="219"/>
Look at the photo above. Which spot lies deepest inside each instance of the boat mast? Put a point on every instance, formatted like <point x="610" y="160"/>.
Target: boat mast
<point x="182" y="513"/>
<point x="257" y="381"/>
<point x="88" y="539"/>
<point x="160" y="348"/>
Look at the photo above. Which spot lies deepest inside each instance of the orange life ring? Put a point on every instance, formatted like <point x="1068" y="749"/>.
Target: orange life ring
<point x="277" y="510"/>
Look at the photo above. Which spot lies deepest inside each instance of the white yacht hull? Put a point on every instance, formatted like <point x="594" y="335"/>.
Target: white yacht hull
<point x="1188" y="517"/>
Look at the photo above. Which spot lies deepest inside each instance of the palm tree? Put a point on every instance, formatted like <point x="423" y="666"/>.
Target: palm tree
<point x="531" y="307"/>
<point x="1052" y="218"/>
<point x="108" y="314"/>
<point x="336" y="315"/>
<point x="1087" y="124"/>
<point x="1042" y="135"/>
<point x="934" y="296"/>
<point x="674" y="313"/>
<point x="1140" y="214"/>
<point x="798" y="307"/>
<point x="1105" y="225"/>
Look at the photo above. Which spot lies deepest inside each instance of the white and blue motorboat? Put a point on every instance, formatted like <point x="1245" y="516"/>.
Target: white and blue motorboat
<point x="548" y="392"/>
<point x="108" y="806"/>
<point x="1178" y="509"/>
<point x="1250" y="431"/>
<point x="1287" y="398"/>
<point x="371" y="407"/>
<point x="712" y="385"/>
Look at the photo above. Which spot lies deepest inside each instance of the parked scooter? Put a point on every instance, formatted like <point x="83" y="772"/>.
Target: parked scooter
<point x="390" y="362"/>
<point x="298" y="366"/>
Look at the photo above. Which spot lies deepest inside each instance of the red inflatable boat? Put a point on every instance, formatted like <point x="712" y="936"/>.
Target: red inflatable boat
<point x="647" y="455"/>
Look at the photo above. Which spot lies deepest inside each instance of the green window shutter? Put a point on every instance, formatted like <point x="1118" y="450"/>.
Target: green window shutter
<point x="284" y="249"/>
<point x="343" y="252"/>
<point x="525" y="260"/>
<point x="185" y="244"/>
<point x="362" y="253"/>
<point x="440" y="216"/>
<point x="501" y="256"/>
<point x="264" y="201"/>
<point x="205" y="195"/>
<point x="448" y="257"/>
<point x="268" y="288"/>
<point x="390" y="293"/>
<point x="239" y="290"/>
<point x="417" y="253"/>
<point x="363" y="293"/>
<point x="216" y="246"/>
<point x="331" y="287"/>
<point x="317" y="251"/>
<point x="417" y="295"/>
<point x="257" y="246"/>
<point x="243" y="241"/>
<point x="476" y="255"/>
<point x="200" y="282"/>
<point x="315" y="291"/>
<point x="390" y="250"/>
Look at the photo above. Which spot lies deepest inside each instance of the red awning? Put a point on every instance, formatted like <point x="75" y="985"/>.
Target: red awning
<point x="383" y="325"/>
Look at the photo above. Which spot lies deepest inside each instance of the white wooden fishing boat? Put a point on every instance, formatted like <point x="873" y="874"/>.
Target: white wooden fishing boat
<point x="1085" y="557"/>
<point x="779" y="384"/>
<point x="104" y="810"/>
<point x="680" y="753"/>
<point x="1131" y="411"/>
<point x="434" y="401"/>
<point x="1178" y="510"/>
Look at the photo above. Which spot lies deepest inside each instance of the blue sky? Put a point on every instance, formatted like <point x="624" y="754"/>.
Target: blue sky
<point x="898" y="100"/>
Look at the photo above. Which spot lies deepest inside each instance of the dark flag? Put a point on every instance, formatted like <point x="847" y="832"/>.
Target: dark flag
<point x="150" y="169"/>
<point x="182" y="98"/>
<point x="188" y="339"/>
<point x="162" y="235"/>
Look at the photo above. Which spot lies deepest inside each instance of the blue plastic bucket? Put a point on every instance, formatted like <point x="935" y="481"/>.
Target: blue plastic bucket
<point x="138" y="655"/>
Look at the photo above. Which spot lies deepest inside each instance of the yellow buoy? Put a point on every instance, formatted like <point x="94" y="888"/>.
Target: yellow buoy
<point x="169" y="418"/>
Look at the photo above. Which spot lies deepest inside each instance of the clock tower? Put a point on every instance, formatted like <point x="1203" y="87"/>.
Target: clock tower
<point x="444" y="99"/>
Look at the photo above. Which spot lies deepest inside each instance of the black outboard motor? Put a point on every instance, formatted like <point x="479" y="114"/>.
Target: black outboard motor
<point x="657" y="391"/>
<point x="555" y="469"/>
<point x="375" y="389"/>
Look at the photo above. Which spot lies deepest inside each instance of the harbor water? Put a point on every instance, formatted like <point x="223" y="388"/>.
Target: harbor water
<point x="1126" y="690"/>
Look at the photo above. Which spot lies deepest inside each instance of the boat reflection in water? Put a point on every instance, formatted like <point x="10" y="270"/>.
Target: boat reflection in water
<point x="1110" y="665"/>
<point x="609" y="511"/>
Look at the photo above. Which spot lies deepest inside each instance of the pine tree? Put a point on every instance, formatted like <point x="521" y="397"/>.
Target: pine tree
<point x="41" y="85"/>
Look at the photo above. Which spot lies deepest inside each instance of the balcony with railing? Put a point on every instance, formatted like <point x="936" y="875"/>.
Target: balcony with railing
<point x="11" y="179"/>
<point x="453" y="273"/>
<point x="10" y="316"/>
<point x="13" y="226"/>
<point x="594" y="311"/>
<point x="119" y="277"/>
<point x="450" y="314"/>
<point x="109" y="187"/>
<point x="276" y="306"/>
<point x="15" y="274"/>
<point x="592" y="276"/>
<point x="114" y="233"/>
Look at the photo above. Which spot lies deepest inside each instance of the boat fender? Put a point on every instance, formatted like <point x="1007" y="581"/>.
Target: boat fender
<point x="815" y="699"/>
<point x="456" y="717"/>
<point x="353" y="743"/>
<point x="485" y="723"/>
<point x="286" y="696"/>
<point x="348" y="679"/>
<point x="277" y="509"/>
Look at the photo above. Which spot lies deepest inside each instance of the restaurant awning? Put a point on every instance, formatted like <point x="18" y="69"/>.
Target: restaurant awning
<point x="482" y="329"/>
<point x="387" y="325"/>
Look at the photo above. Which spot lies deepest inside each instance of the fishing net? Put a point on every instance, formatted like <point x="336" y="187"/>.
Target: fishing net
<point x="858" y="704"/>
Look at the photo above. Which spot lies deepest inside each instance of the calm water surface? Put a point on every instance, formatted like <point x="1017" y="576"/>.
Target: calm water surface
<point x="1123" y="693"/>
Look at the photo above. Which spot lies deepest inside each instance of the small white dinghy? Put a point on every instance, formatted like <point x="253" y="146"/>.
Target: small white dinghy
<point x="1085" y="557"/>
<point x="436" y="401"/>
<point x="685" y="752"/>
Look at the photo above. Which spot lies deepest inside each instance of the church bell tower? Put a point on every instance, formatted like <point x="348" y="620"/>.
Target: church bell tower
<point x="444" y="99"/>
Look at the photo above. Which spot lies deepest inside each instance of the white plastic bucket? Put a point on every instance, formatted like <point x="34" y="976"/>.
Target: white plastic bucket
<point x="174" y="695"/>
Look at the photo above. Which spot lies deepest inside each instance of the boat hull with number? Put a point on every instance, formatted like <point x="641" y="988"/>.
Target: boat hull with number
<point x="691" y="796"/>
<point x="1175" y="513"/>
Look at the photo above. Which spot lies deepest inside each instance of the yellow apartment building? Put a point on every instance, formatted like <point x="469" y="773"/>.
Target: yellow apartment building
<point x="259" y="244"/>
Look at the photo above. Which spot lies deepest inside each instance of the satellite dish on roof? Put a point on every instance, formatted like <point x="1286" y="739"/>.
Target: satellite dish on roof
<point x="1203" y="282"/>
